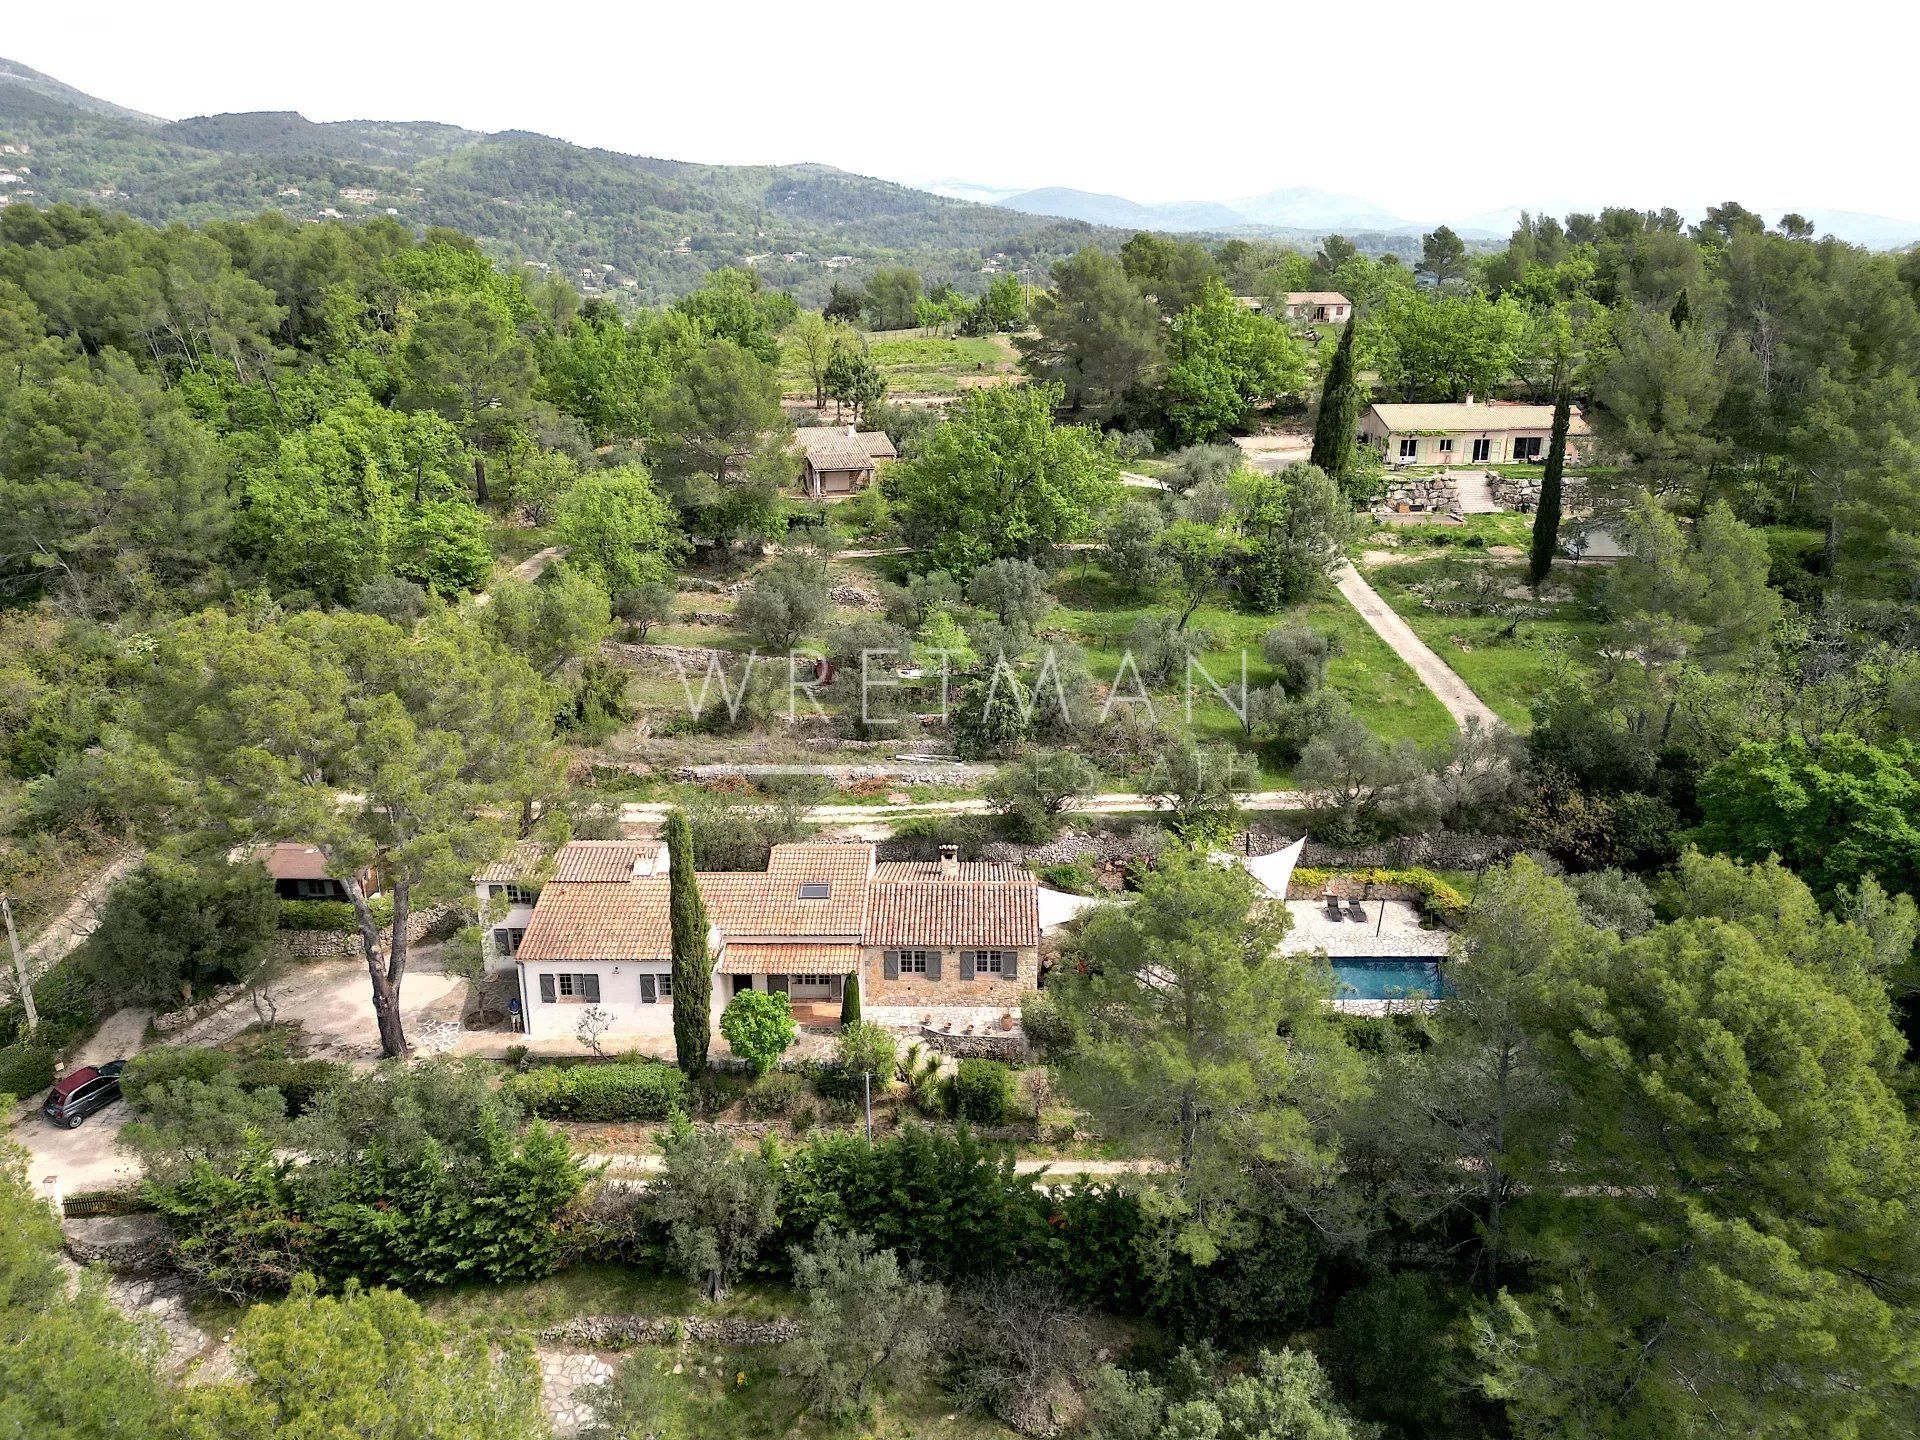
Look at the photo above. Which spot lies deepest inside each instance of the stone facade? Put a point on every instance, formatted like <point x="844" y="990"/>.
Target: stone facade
<point x="910" y="991"/>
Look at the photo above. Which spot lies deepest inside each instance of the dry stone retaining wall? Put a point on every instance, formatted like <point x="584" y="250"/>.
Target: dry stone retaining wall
<point x="617" y="1332"/>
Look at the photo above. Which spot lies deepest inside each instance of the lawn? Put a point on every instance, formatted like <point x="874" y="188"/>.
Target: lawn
<point x="1508" y="672"/>
<point x="914" y="362"/>
<point x="1095" y="614"/>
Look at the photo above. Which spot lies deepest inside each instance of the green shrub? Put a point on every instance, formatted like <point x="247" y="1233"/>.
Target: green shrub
<point x="67" y="998"/>
<point x="773" y="1095"/>
<point x="1073" y="876"/>
<point x="156" y="1068"/>
<point x="758" y="1027"/>
<point x="981" y="1092"/>
<point x="300" y="1082"/>
<point x="25" y="1070"/>
<point x="647" y="1090"/>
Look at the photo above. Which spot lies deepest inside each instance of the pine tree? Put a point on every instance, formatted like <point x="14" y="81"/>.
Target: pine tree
<point x="692" y="965"/>
<point x="1339" y="412"/>
<point x="850" y="1002"/>
<point x="1546" y="515"/>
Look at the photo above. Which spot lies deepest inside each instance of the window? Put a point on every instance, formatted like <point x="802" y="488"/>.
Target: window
<point x="814" y="980"/>
<point x="1409" y="448"/>
<point x="989" y="962"/>
<point x="506" y="940"/>
<point x="314" y="889"/>
<point x="1482" y="450"/>
<point x="1527" y="448"/>
<point x="815" y="890"/>
<point x="570" y="989"/>
<point x="666" y="987"/>
<point x="913" y="962"/>
<point x="1446" y="446"/>
<point x="512" y="894"/>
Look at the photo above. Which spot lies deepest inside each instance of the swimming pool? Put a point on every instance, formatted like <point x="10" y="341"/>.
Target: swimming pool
<point x="1388" y="979"/>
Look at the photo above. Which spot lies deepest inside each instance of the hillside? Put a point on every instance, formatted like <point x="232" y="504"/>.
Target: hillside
<point x="634" y="227"/>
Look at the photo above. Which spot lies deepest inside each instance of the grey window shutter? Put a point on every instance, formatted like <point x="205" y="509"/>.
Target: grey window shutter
<point x="933" y="964"/>
<point x="501" y="945"/>
<point x="891" y="964"/>
<point x="648" y="994"/>
<point x="1010" y="964"/>
<point x="590" y="989"/>
<point x="966" y="964"/>
<point x="546" y="989"/>
<point x="837" y="987"/>
<point x="777" y="983"/>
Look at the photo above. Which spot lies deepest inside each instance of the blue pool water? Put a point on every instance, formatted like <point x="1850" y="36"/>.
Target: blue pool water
<point x="1395" y="979"/>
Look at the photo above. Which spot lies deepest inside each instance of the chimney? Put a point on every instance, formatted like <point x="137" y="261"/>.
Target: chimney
<point x="1469" y="397"/>
<point x="852" y="430"/>
<point x="949" y="862"/>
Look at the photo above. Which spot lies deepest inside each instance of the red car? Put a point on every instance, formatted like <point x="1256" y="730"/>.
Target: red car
<point x="76" y="1095"/>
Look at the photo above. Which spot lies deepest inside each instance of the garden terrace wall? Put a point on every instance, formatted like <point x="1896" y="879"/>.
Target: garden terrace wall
<point x="617" y="1332"/>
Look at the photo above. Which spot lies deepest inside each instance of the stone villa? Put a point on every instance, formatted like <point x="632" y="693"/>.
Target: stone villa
<point x="938" y="939"/>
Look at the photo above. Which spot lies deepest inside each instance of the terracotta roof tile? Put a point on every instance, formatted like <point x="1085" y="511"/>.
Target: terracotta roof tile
<point x="802" y="958"/>
<point x="524" y="860"/>
<point x="290" y="860"/>
<point x="954" y="914"/>
<point x="603" y="860"/>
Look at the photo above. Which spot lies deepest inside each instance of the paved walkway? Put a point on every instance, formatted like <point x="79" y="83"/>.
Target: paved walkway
<point x="1451" y="691"/>
<point x="1473" y="494"/>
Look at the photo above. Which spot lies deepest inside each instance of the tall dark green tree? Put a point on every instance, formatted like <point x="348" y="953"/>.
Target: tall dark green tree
<point x="1333" y="429"/>
<point x="692" y="964"/>
<point x="1546" y="514"/>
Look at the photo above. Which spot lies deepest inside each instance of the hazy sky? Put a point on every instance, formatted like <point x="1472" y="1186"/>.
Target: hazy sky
<point x="1433" y="111"/>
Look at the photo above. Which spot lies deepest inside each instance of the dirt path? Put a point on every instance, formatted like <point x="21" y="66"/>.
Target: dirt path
<point x="1448" y="688"/>
<point x="529" y="569"/>
<point x="73" y="924"/>
<point x="1137" y="481"/>
<point x="625" y="1165"/>
<point x="878" y="816"/>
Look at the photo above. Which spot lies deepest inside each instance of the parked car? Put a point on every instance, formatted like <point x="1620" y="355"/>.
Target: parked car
<point x="77" y="1095"/>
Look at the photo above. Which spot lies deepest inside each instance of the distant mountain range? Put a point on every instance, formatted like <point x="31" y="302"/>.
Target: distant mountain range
<point x="640" y="229"/>
<point x="1300" y="209"/>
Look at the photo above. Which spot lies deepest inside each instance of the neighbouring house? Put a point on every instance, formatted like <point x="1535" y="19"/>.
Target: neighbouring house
<point x="1318" y="307"/>
<point x="302" y="872"/>
<point x="837" y="461"/>
<point x="1489" y="433"/>
<point x="924" y="938"/>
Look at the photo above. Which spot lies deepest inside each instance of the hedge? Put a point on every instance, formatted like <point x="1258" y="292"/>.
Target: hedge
<point x="300" y="1082"/>
<point x="1437" y="897"/>
<point x="642" y="1090"/>
<point x="331" y="914"/>
<point x="25" y="1070"/>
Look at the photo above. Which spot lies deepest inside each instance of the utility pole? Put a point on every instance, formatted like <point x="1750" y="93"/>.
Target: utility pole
<point x="23" y="982"/>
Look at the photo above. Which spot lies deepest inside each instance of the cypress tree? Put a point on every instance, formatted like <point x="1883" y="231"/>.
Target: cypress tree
<point x="1339" y="413"/>
<point x="692" y="964"/>
<point x="1546" y="515"/>
<point x="850" y="1002"/>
